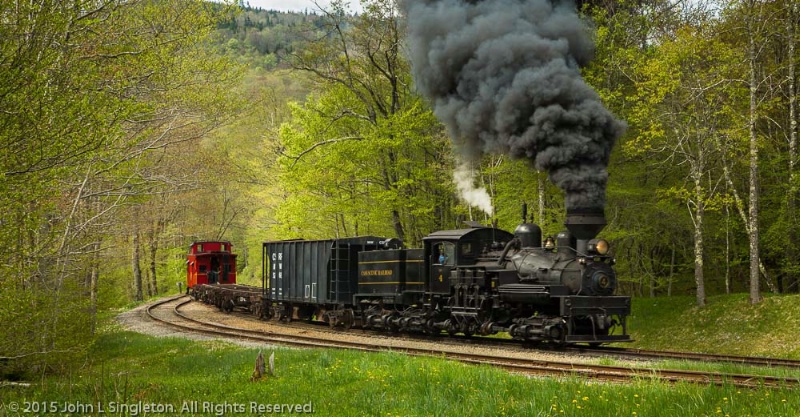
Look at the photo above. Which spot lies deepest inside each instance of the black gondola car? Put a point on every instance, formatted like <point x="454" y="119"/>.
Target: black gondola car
<point x="314" y="279"/>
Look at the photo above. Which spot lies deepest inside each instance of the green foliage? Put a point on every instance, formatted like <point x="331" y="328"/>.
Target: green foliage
<point x="99" y="99"/>
<point x="342" y="174"/>
<point x="364" y="155"/>
<point x="264" y="38"/>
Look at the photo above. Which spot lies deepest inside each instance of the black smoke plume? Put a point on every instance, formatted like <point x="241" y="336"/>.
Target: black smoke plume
<point x="504" y="77"/>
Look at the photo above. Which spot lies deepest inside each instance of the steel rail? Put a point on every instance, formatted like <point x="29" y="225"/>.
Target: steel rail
<point x="619" y="352"/>
<point x="521" y="365"/>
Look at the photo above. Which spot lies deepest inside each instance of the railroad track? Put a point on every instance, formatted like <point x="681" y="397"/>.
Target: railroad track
<point x="691" y="356"/>
<point x="604" y="351"/>
<point x="539" y="367"/>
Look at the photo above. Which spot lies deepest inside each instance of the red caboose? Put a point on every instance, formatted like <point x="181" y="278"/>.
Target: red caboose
<point x="210" y="263"/>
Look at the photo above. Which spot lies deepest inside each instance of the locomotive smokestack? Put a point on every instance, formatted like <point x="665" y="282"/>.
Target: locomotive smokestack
<point x="585" y="224"/>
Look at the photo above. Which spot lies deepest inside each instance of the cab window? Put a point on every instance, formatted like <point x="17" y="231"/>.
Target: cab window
<point x="444" y="253"/>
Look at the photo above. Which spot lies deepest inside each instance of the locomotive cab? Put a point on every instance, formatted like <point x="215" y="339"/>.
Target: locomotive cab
<point x="210" y="263"/>
<point x="485" y="280"/>
<point x="448" y="253"/>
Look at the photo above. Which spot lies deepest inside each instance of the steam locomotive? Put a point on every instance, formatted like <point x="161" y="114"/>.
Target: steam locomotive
<point x="476" y="280"/>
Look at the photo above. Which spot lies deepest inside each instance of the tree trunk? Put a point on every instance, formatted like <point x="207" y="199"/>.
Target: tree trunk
<point x="699" y="211"/>
<point x="791" y="204"/>
<point x="137" y="271"/>
<point x="91" y="283"/>
<point x="398" y="225"/>
<point x="753" y="195"/>
<point x="671" y="272"/>
<point x="540" y="177"/>
<point x="727" y="249"/>
<point x="153" y="253"/>
<point x="740" y="209"/>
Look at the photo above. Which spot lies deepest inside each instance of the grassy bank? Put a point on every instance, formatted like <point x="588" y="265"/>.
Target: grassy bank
<point x="727" y="324"/>
<point x="212" y="378"/>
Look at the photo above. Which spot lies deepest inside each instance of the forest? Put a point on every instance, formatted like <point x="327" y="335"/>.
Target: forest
<point x="131" y="128"/>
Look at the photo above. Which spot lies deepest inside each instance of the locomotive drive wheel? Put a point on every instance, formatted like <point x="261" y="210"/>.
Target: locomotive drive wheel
<point x="450" y="327"/>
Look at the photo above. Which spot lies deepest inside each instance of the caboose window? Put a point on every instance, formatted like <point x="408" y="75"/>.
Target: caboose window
<point x="199" y="248"/>
<point x="203" y="268"/>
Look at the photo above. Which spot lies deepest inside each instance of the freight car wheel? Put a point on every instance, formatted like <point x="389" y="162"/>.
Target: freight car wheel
<point x="348" y="319"/>
<point x="284" y="313"/>
<point x="265" y="313"/>
<point x="430" y="328"/>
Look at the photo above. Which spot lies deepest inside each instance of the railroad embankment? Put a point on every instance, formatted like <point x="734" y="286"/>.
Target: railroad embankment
<point x="728" y="324"/>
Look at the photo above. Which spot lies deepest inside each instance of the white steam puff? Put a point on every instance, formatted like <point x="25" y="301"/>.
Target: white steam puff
<point x="474" y="196"/>
<point x="504" y="77"/>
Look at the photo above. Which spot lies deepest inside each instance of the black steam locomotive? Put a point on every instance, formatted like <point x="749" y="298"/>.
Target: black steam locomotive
<point x="478" y="280"/>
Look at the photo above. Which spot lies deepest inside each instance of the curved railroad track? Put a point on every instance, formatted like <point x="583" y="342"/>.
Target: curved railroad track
<point x="176" y="319"/>
<point x="603" y="351"/>
<point x="690" y="356"/>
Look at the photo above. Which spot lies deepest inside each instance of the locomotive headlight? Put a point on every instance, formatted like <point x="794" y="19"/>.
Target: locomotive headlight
<point x="599" y="246"/>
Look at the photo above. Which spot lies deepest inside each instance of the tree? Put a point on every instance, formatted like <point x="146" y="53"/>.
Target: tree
<point x="366" y="149"/>
<point x="678" y="111"/>
<point x="792" y="13"/>
<point x="93" y="88"/>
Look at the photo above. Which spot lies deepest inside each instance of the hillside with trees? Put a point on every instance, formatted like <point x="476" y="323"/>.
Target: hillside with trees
<point x="130" y="129"/>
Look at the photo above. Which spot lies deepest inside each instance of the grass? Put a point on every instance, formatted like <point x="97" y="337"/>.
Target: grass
<point x="213" y="377"/>
<point x="125" y="368"/>
<point x="728" y="324"/>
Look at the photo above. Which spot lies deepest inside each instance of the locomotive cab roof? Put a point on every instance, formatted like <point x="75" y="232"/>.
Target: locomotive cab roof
<point x="467" y="245"/>
<point x="479" y="233"/>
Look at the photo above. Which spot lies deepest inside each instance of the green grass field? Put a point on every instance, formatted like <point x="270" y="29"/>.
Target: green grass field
<point x="127" y="372"/>
<point x="728" y="324"/>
